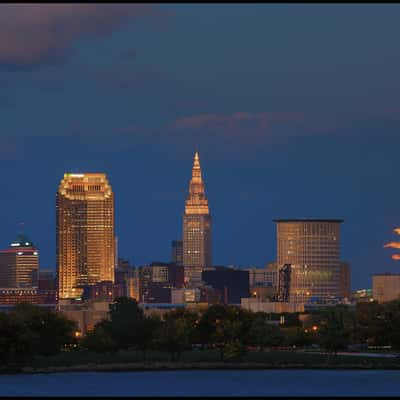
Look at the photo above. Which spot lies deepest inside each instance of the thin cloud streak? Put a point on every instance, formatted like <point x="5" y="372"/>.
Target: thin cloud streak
<point x="242" y="126"/>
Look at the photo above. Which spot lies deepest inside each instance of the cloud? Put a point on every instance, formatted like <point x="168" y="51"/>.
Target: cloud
<point x="33" y="34"/>
<point x="243" y="126"/>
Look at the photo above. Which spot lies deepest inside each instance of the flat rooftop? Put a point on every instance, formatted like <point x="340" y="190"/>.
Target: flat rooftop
<point x="339" y="221"/>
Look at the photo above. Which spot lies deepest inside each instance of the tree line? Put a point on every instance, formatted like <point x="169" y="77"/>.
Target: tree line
<point x="233" y="330"/>
<point x="28" y="330"/>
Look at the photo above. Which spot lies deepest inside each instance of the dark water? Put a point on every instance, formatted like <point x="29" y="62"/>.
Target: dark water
<point x="206" y="383"/>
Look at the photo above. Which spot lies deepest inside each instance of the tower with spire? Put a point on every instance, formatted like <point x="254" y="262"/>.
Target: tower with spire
<point x="196" y="228"/>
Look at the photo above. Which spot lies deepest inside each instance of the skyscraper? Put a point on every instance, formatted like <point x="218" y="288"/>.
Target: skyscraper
<point x="84" y="233"/>
<point x="19" y="264"/>
<point x="196" y="228"/>
<point x="309" y="251"/>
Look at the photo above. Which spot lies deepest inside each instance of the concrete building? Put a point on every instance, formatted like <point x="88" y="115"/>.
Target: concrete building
<point x="203" y="294"/>
<point x="185" y="295"/>
<point x="263" y="282"/>
<point x="19" y="264"/>
<point x="311" y="247"/>
<point x="87" y="314"/>
<point x="385" y="287"/>
<point x="85" y="237"/>
<point x="13" y="296"/>
<point x="196" y="229"/>
<point x="259" y="305"/>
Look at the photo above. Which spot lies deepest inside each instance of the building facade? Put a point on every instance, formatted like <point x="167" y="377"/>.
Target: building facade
<point x="263" y="282"/>
<point x="157" y="280"/>
<point x="311" y="247"/>
<point x="345" y="280"/>
<point x="196" y="229"/>
<point x="19" y="264"/>
<point x="177" y="252"/>
<point x="85" y="237"/>
<point x="46" y="279"/>
<point x="13" y="296"/>
<point x="232" y="283"/>
<point x="386" y="287"/>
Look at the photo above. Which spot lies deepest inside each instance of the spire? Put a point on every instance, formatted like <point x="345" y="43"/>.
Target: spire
<point x="196" y="170"/>
<point x="197" y="202"/>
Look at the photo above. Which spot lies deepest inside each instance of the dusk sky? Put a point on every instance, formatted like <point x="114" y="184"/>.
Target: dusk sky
<point x="294" y="109"/>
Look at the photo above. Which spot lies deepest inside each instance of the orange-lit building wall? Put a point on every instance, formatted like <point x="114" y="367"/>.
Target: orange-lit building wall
<point x="85" y="233"/>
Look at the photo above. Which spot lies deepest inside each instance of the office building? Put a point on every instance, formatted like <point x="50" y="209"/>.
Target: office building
<point x="124" y="272"/>
<point x="385" y="287"/>
<point x="263" y="282"/>
<point x="345" y="280"/>
<point x="13" y="296"/>
<point x="85" y="237"/>
<point x="156" y="281"/>
<point x="196" y="229"/>
<point x="102" y="291"/>
<point x="177" y="252"/>
<point x="308" y="250"/>
<point x="46" y="279"/>
<point x="19" y="264"/>
<point x="232" y="283"/>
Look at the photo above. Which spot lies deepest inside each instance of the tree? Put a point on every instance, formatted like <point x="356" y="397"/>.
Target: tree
<point x="262" y="333"/>
<point x="99" y="339"/>
<point x="48" y="331"/>
<point x="177" y="332"/>
<point x="29" y="330"/>
<point x="225" y="327"/>
<point x="126" y="323"/>
<point x="150" y="327"/>
<point x="336" y="329"/>
<point x="15" y="344"/>
<point x="370" y="325"/>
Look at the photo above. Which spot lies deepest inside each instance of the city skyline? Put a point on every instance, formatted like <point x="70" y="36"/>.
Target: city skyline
<point x="195" y="180"/>
<point x="293" y="108"/>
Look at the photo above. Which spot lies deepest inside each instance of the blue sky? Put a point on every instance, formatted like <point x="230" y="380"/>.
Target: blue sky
<point x="295" y="110"/>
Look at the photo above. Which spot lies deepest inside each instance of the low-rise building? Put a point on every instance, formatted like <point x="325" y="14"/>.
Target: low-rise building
<point x="259" y="305"/>
<point x="385" y="287"/>
<point x="233" y="283"/>
<point x="87" y="314"/>
<point x="362" y="296"/>
<point x="13" y="296"/>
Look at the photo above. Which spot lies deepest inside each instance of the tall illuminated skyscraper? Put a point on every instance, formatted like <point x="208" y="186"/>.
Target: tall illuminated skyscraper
<point x="196" y="228"/>
<point x="309" y="250"/>
<point x="85" y="233"/>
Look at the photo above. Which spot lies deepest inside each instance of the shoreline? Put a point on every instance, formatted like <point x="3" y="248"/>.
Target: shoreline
<point x="175" y="366"/>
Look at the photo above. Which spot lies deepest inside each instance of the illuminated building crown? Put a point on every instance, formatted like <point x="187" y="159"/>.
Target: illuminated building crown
<point x="196" y="202"/>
